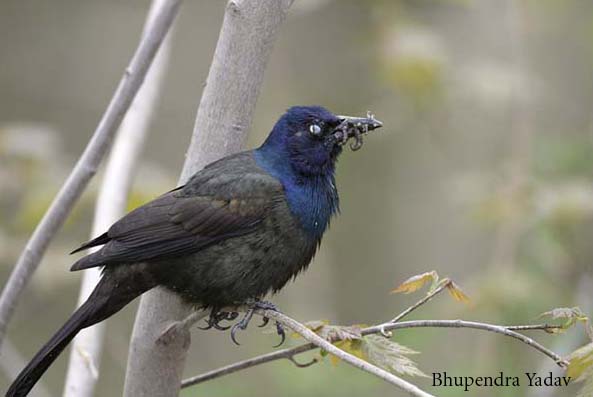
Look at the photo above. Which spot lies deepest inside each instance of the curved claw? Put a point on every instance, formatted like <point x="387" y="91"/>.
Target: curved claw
<point x="280" y="331"/>
<point x="244" y="322"/>
<point x="233" y="332"/>
<point x="265" y="322"/>
<point x="208" y="326"/>
<point x="215" y="319"/>
<point x="220" y="327"/>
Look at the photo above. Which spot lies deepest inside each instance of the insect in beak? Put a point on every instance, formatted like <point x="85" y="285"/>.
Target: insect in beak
<point x="355" y="128"/>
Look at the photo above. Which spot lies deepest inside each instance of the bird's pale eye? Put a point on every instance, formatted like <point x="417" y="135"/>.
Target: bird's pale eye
<point x="315" y="129"/>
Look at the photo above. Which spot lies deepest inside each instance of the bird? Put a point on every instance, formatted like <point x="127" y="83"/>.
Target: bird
<point x="239" y="229"/>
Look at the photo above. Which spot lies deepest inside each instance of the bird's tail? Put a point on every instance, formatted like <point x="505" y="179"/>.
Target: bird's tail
<point x="111" y="294"/>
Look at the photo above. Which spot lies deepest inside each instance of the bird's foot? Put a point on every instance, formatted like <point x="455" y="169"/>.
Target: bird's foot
<point x="216" y="317"/>
<point x="244" y="322"/>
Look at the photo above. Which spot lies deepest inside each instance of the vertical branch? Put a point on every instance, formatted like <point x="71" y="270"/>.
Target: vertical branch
<point x="248" y="32"/>
<point x="87" y="165"/>
<point x="86" y="349"/>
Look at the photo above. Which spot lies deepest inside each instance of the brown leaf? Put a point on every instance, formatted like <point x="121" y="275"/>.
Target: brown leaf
<point x="457" y="293"/>
<point x="416" y="282"/>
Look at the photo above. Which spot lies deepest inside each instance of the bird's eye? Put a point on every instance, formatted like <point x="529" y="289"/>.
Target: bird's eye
<point x="315" y="129"/>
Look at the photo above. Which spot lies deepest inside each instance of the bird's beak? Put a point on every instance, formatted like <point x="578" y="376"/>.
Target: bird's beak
<point x="367" y="123"/>
<point x="355" y="127"/>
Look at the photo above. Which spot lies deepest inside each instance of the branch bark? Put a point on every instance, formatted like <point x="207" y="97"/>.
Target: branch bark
<point x="356" y="362"/>
<point x="289" y="353"/>
<point x="499" y="329"/>
<point x="86" y="166"/>
<point x="86" y="348"/>
<point x="248" y="32"/>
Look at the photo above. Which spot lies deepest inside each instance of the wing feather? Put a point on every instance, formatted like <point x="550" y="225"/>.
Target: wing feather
<point x="186" y="220"/>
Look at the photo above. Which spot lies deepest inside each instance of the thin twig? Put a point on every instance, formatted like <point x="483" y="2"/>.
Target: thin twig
<point x="499" y="329"/>
<point x="178" y="327"/>
<point x="87" y="165"/>
<point x="288" y="353"/>
<point x="317" y="340"/>
<point x="85" y="354"/>
<point x="534" y="327"/>
<point x="422" y="301"/>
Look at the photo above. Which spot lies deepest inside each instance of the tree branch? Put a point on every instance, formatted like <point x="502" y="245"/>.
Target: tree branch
<point x="356" y="362"/>
<point x="85" y="354"/>
<point x="87" y="165"/>
<point x="422" y="301"/>
<point x="385" y="330"/>
<point x="248" y="32"/>
<point x="289" y="353"/>
<point x="499" y="329"/>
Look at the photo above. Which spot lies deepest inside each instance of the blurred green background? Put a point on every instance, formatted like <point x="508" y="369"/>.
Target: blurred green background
<point x="482" y="172"/>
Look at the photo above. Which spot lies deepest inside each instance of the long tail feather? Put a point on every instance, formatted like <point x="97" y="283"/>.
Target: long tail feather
<point x="117" y="288"/>
<point x="48" y="353"/>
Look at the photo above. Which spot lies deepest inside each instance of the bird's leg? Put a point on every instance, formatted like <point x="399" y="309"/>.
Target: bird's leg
<point x="253" y="306"/>
<point x="242" y="324"/>
<point x="216" y="317"/>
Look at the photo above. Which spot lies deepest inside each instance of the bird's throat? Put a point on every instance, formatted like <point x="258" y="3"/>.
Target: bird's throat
<point x="312" y="199"/>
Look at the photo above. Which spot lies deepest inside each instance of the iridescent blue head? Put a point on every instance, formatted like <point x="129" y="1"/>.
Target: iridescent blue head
<point x="303" y="136"/>
<point x="301" y="151"/>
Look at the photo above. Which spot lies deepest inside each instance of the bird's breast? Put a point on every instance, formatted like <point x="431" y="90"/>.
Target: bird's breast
<point x="313" y="202"/>
<point x="247" y="266"/>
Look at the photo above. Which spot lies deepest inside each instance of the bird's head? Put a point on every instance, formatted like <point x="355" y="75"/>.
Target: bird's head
<point x="311" y="137"/>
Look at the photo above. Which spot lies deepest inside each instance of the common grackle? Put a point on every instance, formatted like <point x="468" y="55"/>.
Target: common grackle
<point x="240" y="228"/>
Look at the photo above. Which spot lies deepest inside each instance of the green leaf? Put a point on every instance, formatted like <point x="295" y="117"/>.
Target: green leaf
<point x="338" y="332"/>
<point x="580" y="368"/>
<point x="580" y="365"/>
<point x="332" y="332"/>
<point x="565" y="312"/>
<point x="572" y="315"/>
<point x="389" y="355"/>
<point x="375" y="349"/>
<point x="352" y="346"/>
<point x="380" y="351"/>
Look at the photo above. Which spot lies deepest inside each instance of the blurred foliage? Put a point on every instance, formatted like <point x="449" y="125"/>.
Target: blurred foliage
<point x="376" y="349"/>
<point x="435" y="187"/>
<point x="556" y="157"/>
<point x="414" y="78"/>
<point x="581" y="368"/>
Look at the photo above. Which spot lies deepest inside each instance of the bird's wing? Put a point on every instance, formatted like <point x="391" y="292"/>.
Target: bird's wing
<point x="186" y="220"/>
